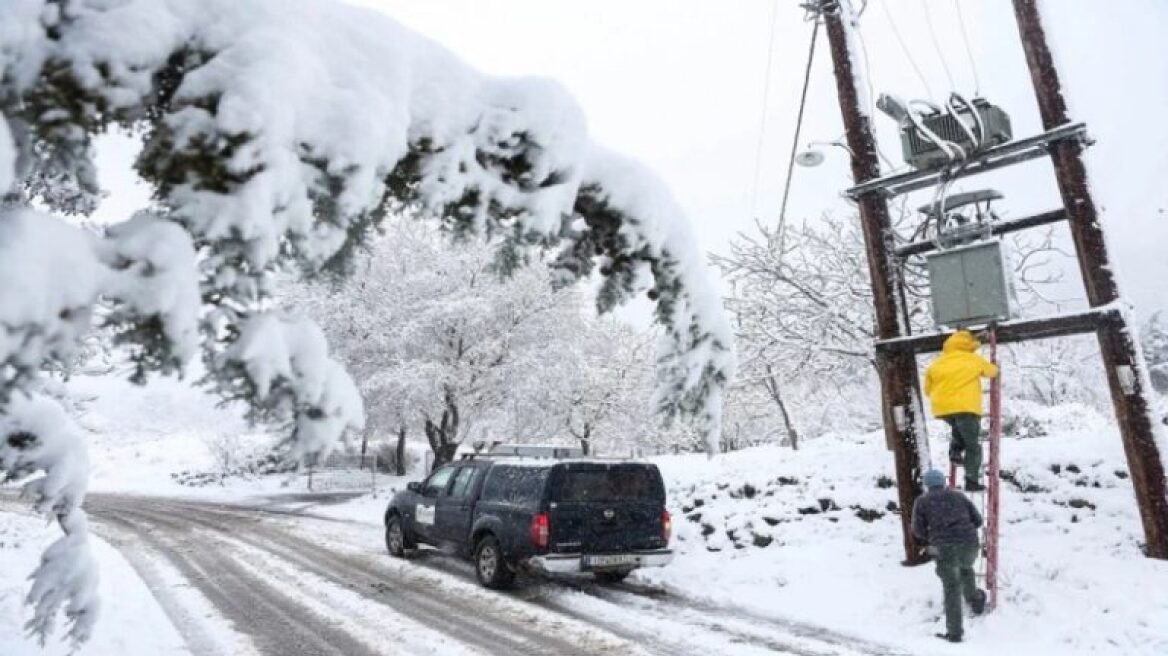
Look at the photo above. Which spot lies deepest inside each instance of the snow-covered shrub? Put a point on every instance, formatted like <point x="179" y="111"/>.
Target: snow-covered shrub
<point x="278" y="134"/>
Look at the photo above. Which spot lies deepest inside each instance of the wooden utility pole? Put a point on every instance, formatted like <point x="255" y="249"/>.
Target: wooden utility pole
<point x="1126" y="371"/>
<point x="897" y="370"/>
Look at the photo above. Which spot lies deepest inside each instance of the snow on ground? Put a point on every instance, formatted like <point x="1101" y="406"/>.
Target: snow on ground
<point x="810" y="535"/>
<point x="131" y="621"/>
<point x="814" y="535"/>
<point x="140" y="435"/>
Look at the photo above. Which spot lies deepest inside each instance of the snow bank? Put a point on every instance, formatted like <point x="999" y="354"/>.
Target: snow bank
<point x="814" y="535"/>
<point x="132" y="621"/>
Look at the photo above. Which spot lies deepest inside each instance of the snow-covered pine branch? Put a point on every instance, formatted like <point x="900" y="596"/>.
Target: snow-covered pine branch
<point x="37" y="437"/>
<point x="279" y="134"/>
<point x="273" y="140"/>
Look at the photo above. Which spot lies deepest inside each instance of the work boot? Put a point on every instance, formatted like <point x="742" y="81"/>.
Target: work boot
<point x="974" y="486"/>
<point x="978" y="605"/>
<point x="951" y="637"/>
<point x="956" y="455"/>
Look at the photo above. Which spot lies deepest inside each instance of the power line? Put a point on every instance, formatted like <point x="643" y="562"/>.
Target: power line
<point x="766" y="93"/>
<point x="904" y="48"/>
<point x="795" y="139"/>
<point x="937" y="44"/>
<point x="968" y="50"/>
<point x="871" y="108"/>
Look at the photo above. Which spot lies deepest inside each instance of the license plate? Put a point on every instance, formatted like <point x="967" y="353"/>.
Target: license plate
<point x="610" y="561"/>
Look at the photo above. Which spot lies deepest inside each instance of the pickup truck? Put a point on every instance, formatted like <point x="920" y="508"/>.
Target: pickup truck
<point x="563" y="515"/>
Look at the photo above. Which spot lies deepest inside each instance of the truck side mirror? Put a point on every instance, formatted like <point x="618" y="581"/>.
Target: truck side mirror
<point x="414" y="486"/>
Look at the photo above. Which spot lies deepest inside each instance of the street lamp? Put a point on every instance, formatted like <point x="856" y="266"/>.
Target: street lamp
<point x="813" y="157"/>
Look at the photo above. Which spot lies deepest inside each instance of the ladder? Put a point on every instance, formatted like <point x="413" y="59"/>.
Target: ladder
<point x="990" y="498"/>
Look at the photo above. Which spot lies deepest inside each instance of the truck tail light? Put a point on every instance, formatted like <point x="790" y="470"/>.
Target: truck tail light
<point x="666" y="525"/>
<point x="540" y="530"/>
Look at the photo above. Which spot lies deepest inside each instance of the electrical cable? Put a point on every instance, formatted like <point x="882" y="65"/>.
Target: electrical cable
<point x="871" y="108"/>
<point x="937" y="44"/>
<point x="968" y="50"/>
<point x="904" y="48"/>
<point x="795" y="139"/>
<point x="766" y="93"/>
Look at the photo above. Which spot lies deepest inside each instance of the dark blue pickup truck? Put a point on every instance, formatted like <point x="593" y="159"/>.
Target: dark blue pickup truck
<point x="508" y="512"/>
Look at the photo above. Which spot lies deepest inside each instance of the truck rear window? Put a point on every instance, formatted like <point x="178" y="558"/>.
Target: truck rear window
<point x="609" y="484"/>
<point x="515" y="485"/>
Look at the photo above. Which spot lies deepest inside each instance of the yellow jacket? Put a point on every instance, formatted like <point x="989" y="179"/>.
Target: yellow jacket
<point x="953" y="381"/>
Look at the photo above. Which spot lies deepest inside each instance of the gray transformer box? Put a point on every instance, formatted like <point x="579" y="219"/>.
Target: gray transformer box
<point x="968" y="284"/>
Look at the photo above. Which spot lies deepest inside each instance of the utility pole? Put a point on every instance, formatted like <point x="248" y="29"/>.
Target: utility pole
<point x="1126" y="370"/>
<point x="897" y="369"/>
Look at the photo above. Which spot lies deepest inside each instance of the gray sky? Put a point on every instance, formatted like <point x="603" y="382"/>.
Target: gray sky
<point x="679" y="85"/>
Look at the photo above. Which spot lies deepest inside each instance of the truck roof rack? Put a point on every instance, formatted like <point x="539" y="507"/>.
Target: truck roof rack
<point x="527" y="451"/>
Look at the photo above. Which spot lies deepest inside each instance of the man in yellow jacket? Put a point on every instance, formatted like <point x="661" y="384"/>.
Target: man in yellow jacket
<point x="953" y="384"/>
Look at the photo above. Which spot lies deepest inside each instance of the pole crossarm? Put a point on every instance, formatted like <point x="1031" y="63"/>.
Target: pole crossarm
<point x="1021" y="330"/>
<point x="995" y="228"/>
<point x="1009" y="153"/>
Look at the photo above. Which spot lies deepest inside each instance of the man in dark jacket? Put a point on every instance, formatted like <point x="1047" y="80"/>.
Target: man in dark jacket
<point x="948" y="521"/>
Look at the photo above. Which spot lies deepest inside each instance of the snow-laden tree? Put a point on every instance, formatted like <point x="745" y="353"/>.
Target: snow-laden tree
<point x="803" y="314"/>
<point x="277" y="134"/>
<point x="1054" y="372"/>
<point x="441" y="344"/>
<point x="438" y="340"/>
<point x="601" y="390"/>
<point x="802" y="307"/>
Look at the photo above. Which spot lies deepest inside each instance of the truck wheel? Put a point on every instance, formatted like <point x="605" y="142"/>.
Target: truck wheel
<point x="395" y="537"/>
<point x="490" y="567"/>
<point x="611" y="577"/>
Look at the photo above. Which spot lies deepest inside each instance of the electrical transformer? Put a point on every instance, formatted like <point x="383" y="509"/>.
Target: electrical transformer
<point x="969" y="284"/>
<point x="924" y="155"/>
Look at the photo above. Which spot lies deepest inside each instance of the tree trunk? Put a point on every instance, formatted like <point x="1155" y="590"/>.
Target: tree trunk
<point x="400" y="453"/>
<point x="443" y="435"/>
<point x="586" y="440"/>
<point x="772" y="387"/>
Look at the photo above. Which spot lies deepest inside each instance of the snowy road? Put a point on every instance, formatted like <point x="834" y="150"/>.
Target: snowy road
<point x="292" y="584"/>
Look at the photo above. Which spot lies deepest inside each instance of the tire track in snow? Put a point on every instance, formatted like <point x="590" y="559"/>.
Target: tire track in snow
<point x="657" y="604"/>
<point x="275" y="622"/>
<point x="492" y="630"/>
<point x="655" y="620"/>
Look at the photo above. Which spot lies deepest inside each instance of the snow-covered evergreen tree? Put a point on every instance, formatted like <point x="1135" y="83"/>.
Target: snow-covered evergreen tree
<point x="277" y="135"/>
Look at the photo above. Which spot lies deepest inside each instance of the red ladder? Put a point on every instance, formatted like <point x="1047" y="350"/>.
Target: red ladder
<point x="993" y="481"/>
<point x="990" y="507"/>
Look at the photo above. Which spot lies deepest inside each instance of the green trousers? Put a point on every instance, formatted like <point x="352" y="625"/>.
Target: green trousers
<point x="966" y="438"/>
<point x="955" y="569"/>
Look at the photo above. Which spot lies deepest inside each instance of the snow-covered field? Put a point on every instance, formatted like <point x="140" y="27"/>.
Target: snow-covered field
<point x="1071" y="565"/>
<point x="811" y="535"/>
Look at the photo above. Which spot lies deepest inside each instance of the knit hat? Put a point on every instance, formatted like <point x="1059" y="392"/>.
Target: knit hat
<point x="934" y="478"/>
